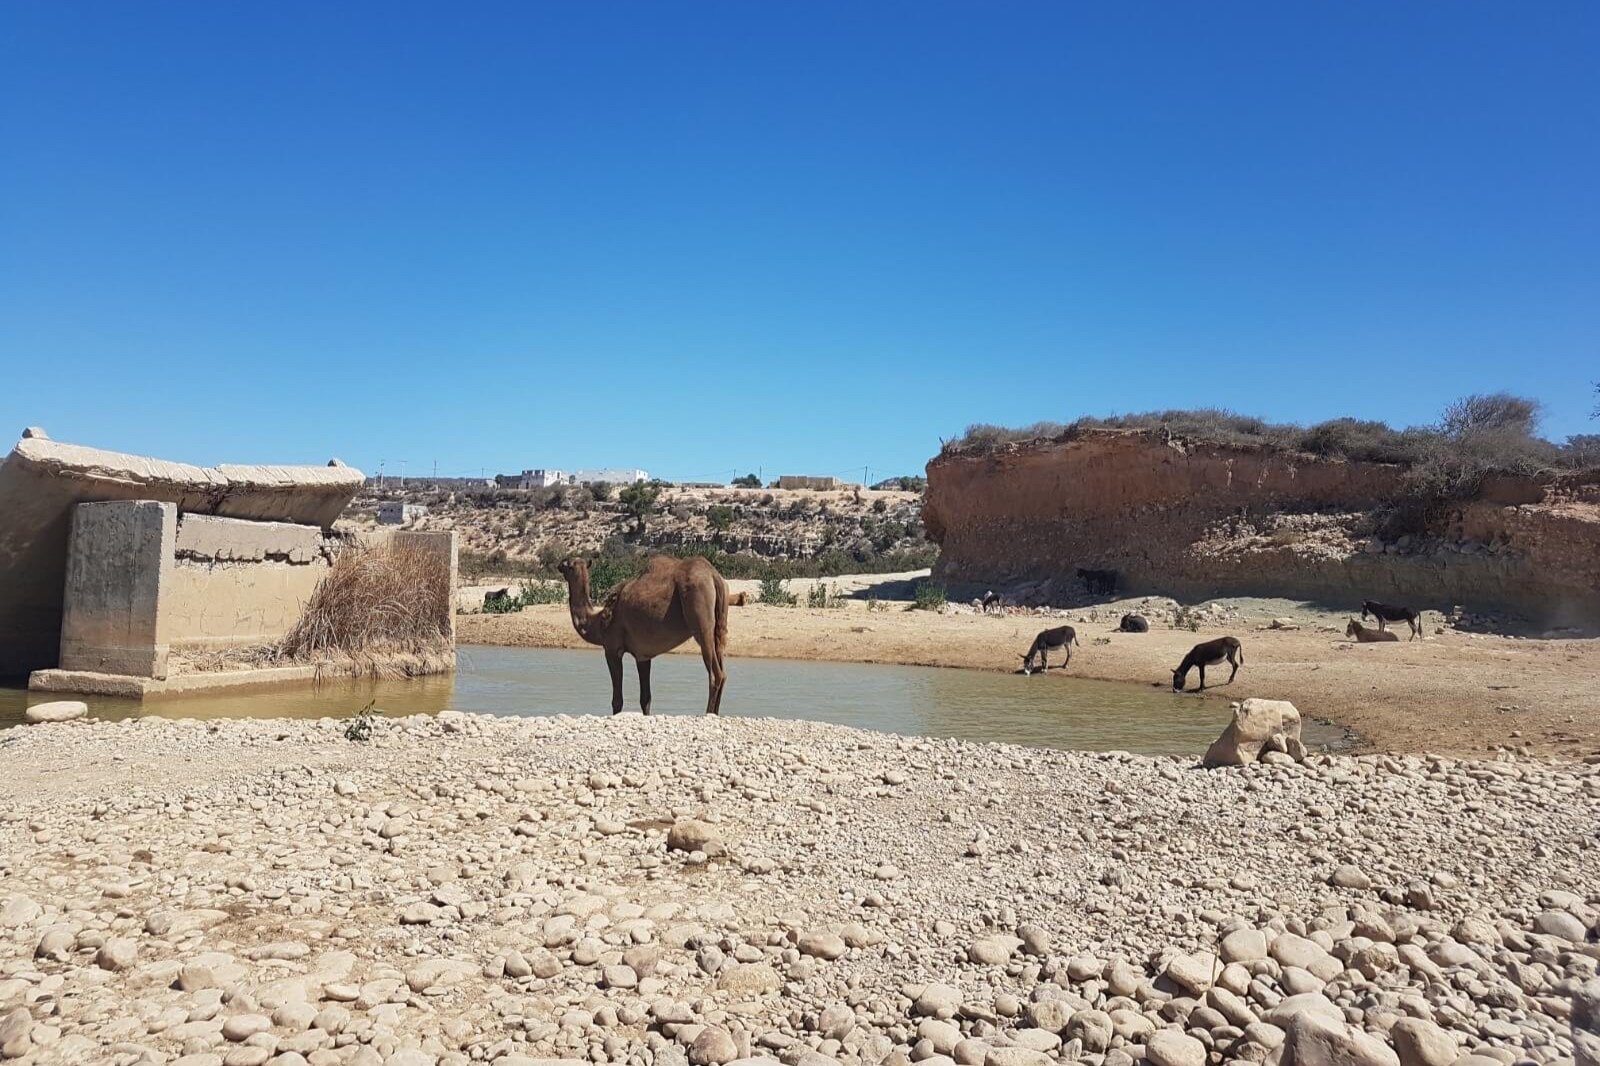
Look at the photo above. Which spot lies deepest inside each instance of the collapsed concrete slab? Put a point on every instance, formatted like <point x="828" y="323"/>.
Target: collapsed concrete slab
<point x="42" y="482"/>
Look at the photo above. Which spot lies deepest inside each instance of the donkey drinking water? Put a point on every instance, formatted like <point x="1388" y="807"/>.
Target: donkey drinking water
<point x="1063" y="637"/>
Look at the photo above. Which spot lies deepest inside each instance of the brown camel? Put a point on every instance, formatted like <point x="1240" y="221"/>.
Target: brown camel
<point x="673" y="600"/>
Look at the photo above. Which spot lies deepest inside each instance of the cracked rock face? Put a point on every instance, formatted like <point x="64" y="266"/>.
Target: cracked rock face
<point x="463" y="889"/>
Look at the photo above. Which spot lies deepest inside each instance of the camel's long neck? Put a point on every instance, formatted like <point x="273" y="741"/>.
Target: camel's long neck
<point x="586" y="618"/>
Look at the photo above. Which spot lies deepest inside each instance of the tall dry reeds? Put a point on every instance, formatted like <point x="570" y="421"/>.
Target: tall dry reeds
<point x="381" y="603"/>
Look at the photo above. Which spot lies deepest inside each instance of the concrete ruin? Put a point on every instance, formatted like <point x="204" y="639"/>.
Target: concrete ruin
<point x="110" y="562"/>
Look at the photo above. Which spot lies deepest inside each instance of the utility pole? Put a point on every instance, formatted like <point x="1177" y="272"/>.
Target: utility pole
<point x="436" y="470"/>
<point x="402" y="473"/>
<point x="380" y="473"/>
<point x="864" y="476"/>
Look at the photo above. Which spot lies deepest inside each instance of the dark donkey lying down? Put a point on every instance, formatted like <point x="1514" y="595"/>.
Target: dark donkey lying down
<point x="1385" y="612"/>
<point x="1061" y="637"/>
<point x="1207" y="654"/>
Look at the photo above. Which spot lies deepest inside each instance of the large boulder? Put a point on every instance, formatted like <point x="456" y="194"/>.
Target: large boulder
<point x="56" y="711"/>
<point x="1258" y="726"/>
<point x="1315" y="1040"/>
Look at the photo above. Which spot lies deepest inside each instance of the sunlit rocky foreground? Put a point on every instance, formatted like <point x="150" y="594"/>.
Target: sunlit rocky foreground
<point x="460" y="889"/>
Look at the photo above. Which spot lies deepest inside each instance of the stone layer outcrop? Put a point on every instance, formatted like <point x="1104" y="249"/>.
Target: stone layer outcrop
<point x="1197" y="520"/>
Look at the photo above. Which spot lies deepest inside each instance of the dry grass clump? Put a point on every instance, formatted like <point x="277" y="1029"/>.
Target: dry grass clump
<point x="377" y="603"/>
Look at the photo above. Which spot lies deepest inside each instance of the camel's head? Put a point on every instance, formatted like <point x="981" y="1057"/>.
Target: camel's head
<point x="571" y="568"/>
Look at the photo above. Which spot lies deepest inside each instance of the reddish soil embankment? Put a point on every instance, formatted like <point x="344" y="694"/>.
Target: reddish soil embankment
<point x="1198" y="520"/>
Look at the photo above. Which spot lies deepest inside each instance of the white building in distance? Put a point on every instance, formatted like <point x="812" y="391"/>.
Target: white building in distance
<point x="610" y="477"/>
<point x="396" y="513"/>
<point x="533" y="479"/>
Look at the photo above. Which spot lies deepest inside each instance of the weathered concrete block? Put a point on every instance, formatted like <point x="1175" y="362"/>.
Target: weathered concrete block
<point x="119" y="554"/>
<point x="208" y="538"/>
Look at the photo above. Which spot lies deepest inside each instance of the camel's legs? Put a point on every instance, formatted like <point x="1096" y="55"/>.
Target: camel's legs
<point x="614" y="664"/>
<point x="644" y="684"/>
<point x="716" y="676"/>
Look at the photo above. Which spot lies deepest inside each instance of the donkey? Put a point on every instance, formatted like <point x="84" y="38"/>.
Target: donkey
<point x="1363" y="635"/>
<point x="991" y="599"/>
<point x="1063" y="637"/>
<point x="1385" y="612"/>
<point x="1098" y="582"/>
<point x="1133" y="623"/>
<point x="1209" y="653"/>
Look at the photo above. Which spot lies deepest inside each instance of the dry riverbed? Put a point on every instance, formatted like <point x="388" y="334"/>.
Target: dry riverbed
<point x="464" y="889"/>
<point x="1456" y="692"/>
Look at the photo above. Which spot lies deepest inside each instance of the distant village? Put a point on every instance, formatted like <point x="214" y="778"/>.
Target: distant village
<point x="400" y="512"/>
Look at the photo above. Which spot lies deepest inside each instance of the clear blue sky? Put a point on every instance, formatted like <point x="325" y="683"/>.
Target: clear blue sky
<point x="808" y="236"/>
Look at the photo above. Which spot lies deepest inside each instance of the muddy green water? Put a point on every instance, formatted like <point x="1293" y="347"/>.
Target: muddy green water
<point x="1055" y="711"/>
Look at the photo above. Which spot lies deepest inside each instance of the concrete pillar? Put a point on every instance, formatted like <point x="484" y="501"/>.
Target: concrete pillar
<point x="119" y="559"/>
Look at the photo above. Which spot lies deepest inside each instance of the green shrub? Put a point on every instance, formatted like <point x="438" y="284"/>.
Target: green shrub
<point x="748" y="481"/>
<point x="928" y="596"/>
<point x="774" y="592"/>
<point x="719" y="517"/>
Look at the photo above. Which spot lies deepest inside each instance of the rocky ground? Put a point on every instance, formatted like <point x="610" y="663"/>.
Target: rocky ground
<point x="684" y="890"/>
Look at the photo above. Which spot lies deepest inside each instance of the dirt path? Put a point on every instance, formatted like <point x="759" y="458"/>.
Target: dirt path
<point x="1454" y="692"/>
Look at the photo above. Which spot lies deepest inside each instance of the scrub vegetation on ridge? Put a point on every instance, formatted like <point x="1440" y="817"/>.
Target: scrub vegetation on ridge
<point x="1476" y="437"/>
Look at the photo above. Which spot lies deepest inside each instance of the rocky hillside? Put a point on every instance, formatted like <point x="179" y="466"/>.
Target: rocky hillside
<point x="1195" y="519"/>
<point x="510" y="531"/>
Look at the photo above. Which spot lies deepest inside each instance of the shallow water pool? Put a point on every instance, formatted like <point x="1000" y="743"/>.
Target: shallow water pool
<point x="1054" y="711"/>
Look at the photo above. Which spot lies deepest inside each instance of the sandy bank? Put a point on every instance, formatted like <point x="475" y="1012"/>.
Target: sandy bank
<point x="464" y="889"/>
<point x="1453" y="692"/>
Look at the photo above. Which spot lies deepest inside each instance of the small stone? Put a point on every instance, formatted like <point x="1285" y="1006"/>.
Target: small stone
<point x="1419" y="1042"/>
<point x="1195" y="973"/>
<point x="16" y="1033"/>
<point x="937" y="1001"/>
<point x="689" y="835"/>
<point x="1560" y="924"/>
<point x="242" y="1027"/>
<point x="713" y="1047"/>
<point x="1170" y="1047"/>
<point x="55" y="711"/>
<point x="1035" y="939"/>
<point x="117" y="954"/>
<point x="993" y="950"/>
<point x="821" y="944"/>
<point x="1315" y="1040"/>
<point x="1348" y="876"/>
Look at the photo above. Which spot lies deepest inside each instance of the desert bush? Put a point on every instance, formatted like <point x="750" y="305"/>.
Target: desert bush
<point x="748" y="481"/>
<point x="359" y="728"/>
<point x="719" y="517"/>
<point x="394" y="596"/>
<point x="928" y="596"/>
<point x="1477" y="436"/>
<point x="600" y="490"/>
<point x="639" y="501"/>
<point x="1494" y="411"/>
<point x="774" y="592"/>
<point x="1186" y="617"/>
<point x="826" y="596"/>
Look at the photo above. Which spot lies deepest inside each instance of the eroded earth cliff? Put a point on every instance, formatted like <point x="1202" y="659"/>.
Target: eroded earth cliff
<point x="1198" y="520"/>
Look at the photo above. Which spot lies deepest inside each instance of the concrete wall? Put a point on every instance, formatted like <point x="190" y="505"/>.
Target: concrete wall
<point x="41" y="481"/>
<point x="119" y="570"/>
<point x="238" y="582"/>
<point x="143" y="579"/>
